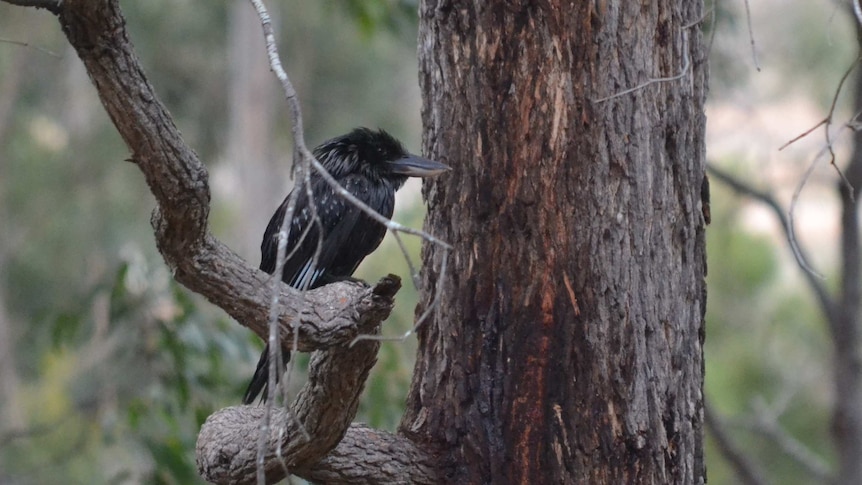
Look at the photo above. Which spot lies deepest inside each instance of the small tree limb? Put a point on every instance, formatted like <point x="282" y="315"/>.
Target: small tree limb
<point x="52" y="6"/>
<point x="746" y="469"/>
<point x="827" y="304"/>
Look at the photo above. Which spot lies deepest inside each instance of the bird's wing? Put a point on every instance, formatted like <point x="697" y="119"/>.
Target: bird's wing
<point x="269" y="246"/>
<point x="343" y="244"/>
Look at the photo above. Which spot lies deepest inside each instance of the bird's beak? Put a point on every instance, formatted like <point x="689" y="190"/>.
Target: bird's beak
<point x="416" y="166"/>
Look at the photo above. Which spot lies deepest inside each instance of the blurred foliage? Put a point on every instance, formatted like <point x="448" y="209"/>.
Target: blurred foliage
<point x="802" y="48"/>
<point x="131" y="371"/>
<point x="766" y="346"/>
<point x="388" y="15"/>
<point x="768" y="353"/>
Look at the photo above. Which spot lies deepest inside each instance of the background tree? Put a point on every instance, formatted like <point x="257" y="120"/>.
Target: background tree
<point x="794" y="416"/>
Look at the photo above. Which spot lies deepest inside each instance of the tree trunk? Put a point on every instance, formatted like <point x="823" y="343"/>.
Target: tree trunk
<point x="567" y="345"/>
<point x="844" y="325"/>
<point x="260" y="176"/>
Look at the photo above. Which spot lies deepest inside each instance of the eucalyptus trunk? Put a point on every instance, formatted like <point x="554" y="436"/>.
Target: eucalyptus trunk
<point x="567" y="346"/>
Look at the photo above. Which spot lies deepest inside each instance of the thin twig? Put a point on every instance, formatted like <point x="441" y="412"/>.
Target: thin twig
<point x="804" y="134"/>
<point x="765" y="422"/>
<point x="275" y="356"/>
<point x="304" y="161"/>
<point x="798" y="192"/>
<point x="791" y="227"/>
<point x="751" y="36"/>
<point x="847" y="184"/>
<point x="414" y="275"/>
<point x="390" y="224"/>
<point x="827" y="122"/>
<point x="25" y="44"/>
<point x="709" y="11"/>
<point x="683" y="71"/>
<point x="746" y="469"/>
<point x="444" y="260"/>
<point x="713" y="26"/>
<point x="299" y="137"/>
<point x="828" y="119"/>
<point x="279" y="452"/>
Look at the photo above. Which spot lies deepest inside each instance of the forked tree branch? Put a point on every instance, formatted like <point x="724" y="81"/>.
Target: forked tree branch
<point x="227" y="448"/>
<point x="746" y="469"/>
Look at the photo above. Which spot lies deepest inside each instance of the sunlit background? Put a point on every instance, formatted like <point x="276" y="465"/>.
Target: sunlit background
<point x="108" y="368"/>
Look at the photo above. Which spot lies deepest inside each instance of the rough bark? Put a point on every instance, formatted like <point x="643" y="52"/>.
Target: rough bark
<point x="370" y="456"/>
<point x="567" y="346"/>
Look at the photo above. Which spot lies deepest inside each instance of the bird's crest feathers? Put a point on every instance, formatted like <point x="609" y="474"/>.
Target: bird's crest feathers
<point x="362" y="150"/>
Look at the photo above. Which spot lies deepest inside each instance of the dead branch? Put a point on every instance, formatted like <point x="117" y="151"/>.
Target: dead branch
<point x="746" y="469"/>
<point x="751" y="36"/>
<point x="28" y="45"/>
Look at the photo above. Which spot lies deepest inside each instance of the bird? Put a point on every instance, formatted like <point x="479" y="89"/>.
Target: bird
<point x="371" y="165"/>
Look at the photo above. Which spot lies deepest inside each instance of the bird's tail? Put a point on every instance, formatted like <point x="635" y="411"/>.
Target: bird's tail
<point x="261" y="377"/>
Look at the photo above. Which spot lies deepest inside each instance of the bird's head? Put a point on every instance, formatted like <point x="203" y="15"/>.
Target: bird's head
<point x="376" y="154"/>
